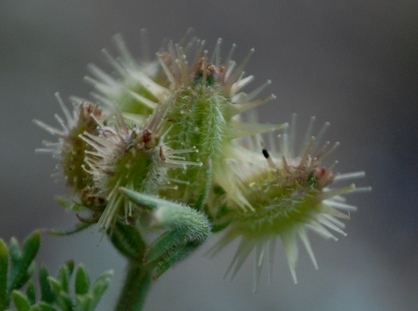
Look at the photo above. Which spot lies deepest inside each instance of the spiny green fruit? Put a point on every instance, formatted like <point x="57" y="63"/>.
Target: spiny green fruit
<point x="70" y="148"/>
<point x="203" y="116"/>
<point x="194" y="118"/>
<point x="289" y="194"/>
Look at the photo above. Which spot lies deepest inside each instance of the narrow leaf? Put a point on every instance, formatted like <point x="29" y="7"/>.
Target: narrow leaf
<point x="64" y="301"/>
<point x="83" y="303"/>
<point x="15" y="262"/>
<point x="55" y="284"/>
<point x="29" y="250"/>
<point x="77" y="228"/>
<point x="14" y="250"/>
<point x="127" y="240"/>
<point x="4" y="262"/>
<point x="47" y="294"/>
<point x="82" y="282"/>
<point x="64" y="275"/>
<point x="30" y="293"/>
<point x="99" y="287"/>
<point x="70" y="266"/>
<point x="20" y="301"/>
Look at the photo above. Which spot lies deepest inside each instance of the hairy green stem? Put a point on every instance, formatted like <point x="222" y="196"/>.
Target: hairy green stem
<point x="136" y="287"/>
<point x="128" y="241"/>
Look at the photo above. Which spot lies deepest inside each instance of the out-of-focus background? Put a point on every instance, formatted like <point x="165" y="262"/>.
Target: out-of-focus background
<point x="353" y="63"/>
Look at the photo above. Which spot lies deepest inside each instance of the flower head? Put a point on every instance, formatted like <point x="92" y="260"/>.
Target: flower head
<point x="288" y="194"/>
<point x="70" y="149"/>
<point x="202" y="97"/>
<point x="133" y="158"/>
<point x="135" y="87"/>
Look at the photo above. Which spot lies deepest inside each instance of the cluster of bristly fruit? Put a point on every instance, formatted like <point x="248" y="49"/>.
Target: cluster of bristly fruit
<point x="165" y="146"/>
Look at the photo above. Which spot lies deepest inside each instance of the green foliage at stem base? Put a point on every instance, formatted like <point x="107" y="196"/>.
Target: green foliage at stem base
<point x="17" y="291"/>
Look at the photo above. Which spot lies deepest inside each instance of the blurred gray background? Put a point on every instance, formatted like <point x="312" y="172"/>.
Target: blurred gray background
<point x="353" y="63"/>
